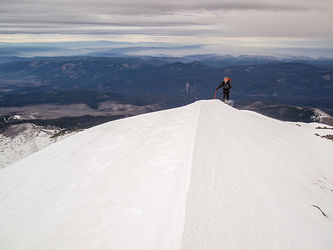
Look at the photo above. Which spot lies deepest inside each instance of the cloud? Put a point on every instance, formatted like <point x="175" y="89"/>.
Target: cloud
<point x="210" y="20"/>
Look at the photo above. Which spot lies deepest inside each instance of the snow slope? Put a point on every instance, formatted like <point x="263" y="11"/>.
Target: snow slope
<point x="204" y="176"/>
<point x="20" y="140"/>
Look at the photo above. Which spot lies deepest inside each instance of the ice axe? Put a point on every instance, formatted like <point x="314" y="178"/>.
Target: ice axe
<point x="215" y="94"/>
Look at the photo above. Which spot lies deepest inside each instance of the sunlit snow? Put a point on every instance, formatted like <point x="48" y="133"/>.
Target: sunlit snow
<point x="201" y="177"/>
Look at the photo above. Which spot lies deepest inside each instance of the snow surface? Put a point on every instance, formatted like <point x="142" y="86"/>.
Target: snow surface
<point x="205" y="176"/>
<point x="20" y="140"/>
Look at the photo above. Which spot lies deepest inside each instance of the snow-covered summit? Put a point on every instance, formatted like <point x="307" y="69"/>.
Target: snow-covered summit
<point x="204" y="176"/>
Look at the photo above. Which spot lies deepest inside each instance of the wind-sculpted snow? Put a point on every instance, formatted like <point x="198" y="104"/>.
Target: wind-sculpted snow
<point x="204" y="176"/>
<point x="254" y="184"/>
<point x="121" y="185"/>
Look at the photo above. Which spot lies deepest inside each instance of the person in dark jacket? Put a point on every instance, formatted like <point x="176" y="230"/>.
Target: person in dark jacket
<point x="226" y="85"/>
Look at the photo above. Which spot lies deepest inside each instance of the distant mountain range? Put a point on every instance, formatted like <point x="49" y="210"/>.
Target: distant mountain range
<point x="287" y="90"/>
<point x="92" y="80"/>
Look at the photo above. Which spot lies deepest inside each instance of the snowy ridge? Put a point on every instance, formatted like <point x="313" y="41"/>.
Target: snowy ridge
<point x="203" y="176"/>
<point x="255" y="184"/>
<point x="20" y="140"/>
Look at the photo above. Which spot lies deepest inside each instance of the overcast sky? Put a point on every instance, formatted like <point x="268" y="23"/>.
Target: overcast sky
<point x="235" y="23"/>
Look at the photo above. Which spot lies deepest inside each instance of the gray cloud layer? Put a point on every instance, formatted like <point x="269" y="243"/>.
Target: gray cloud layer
<point x="210" y="19"/>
